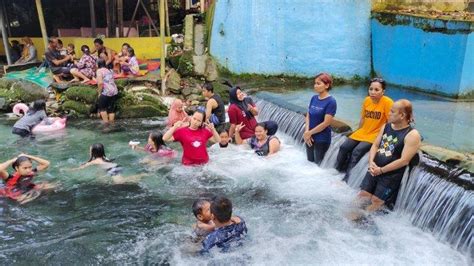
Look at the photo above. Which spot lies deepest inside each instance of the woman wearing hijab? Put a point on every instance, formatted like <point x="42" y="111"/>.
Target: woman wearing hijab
<point x="241" y="111"/>
<point x="177" y="113"/>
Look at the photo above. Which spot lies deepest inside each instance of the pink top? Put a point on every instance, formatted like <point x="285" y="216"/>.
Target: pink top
<point x="163" y="152"/>
<point x="194" y="144"/>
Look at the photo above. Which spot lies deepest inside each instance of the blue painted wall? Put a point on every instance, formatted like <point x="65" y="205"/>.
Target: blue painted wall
<point x="433" y="55"/>
<point x="294" y="37"/>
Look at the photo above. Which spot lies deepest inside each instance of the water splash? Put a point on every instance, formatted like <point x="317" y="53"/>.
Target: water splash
<point x="431" y="203"/>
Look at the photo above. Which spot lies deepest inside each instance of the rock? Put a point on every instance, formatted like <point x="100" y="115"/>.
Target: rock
<point x="2" y="103"/>
<point x="186" y="91"/>
<point x="173" y="81"/>
<point x="465" y="161"/>
<point x="140" y="111"/>
<point x="199" y="62"/>
<point x="85" y="94"/>
<point x="195" y="97"/>
<point x="138" y="88"/>
<point x="185" y="66"/>
<point x="121" y="84"/>
<point x="211" y="72"/>
<point x="21" y="91"/>
<point x="340" y="127"/>
<point x="196" y="91"/>
<point x="6" y="83"/>
<point x="79" y="107"/>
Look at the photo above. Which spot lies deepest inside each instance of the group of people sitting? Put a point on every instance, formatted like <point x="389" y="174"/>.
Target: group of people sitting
<point x="23" y="52"/>
<point x="384" y="131"/>
<point x="64" y="63"/>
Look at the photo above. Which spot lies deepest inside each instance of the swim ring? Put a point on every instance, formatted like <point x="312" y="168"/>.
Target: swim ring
<point x="20" y="107"/>
<point x="53" y="124"/>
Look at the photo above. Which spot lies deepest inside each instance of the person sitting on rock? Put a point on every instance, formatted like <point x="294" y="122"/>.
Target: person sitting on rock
<point x="374" y="114"/>
<point x="56" y="62"/>
<point x="393" y="149"/>
<point x="28" y="55"/>
<point x="215" y="109"/>
<point x="104" y="52"/>
<point x="85" y="69"/>
<point x="130" y="66"/>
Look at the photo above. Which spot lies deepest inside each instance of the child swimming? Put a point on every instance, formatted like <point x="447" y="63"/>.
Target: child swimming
<point x="225" y="138"/>
<point x="204" y="224"/>
<point x="155" y="146"/>
<point x="19" y="185"/>
<point x="98" y="157"/>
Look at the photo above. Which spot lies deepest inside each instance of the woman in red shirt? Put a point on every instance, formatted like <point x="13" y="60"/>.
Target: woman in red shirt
<point x="241" y="111"/>
<point x="193" y="136"/>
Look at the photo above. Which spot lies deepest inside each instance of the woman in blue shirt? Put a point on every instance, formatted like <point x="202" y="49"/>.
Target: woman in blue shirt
<point x="321" y="111"/>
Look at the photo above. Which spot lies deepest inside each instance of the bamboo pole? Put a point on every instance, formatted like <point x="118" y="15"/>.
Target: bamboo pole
<point x="120" y="17"/>
<point x="39" y="8"/>
<point x="92" y="12"/>
<point x="163" y="52"/>
<point x="5" y="37"/>
<point x="167" y="16"/>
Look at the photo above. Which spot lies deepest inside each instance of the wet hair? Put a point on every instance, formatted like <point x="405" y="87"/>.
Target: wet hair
<point x="85" y="49"/>
<point x="101" y="63"/>
<point x="325" y="78"/>
<point x="262" y="124"/>
<point x="157" y="138"/>
<point x="379" y="80"/>
<point x="221" y="208"/>
<point x="19" y="161"/>
<point x="38" y="105"/>
<point x="131" y="52"/>
<point x="99" y="41"/>
<point x="98" y="151"/>
<point x="197" y="206"/>
<point x="208" y="86"/>
<point x="407" y="109"/>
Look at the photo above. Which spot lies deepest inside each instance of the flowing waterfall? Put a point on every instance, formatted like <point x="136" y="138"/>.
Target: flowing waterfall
<point x="435" y="197"/>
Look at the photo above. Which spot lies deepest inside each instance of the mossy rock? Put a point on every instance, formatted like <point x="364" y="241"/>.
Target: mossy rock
<point x="126" y="100"/>
<point x="141" y="111"/>
<point x="222" y="90"/>
<point x="85" y="94"/>
<point x="78" y="107"/>
<point x="6" y="83"/>
<point x="121" y="83"/>
<point x="21" y="91"/>
<point x="186" y="66"/>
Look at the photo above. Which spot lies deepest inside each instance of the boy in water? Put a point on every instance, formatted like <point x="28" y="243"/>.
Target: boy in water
<point x="202" y="212"/>
<point x="227" y="230"/>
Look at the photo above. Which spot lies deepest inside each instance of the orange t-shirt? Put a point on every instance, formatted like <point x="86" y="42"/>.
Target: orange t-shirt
<point x="375" y="116"/>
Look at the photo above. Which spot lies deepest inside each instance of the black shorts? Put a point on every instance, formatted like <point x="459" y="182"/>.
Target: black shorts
<point x="22" y="132"/>
<point x="106" y="103"/>
<point x="382" y="186"/>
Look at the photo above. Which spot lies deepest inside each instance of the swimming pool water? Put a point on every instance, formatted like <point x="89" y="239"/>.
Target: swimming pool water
<point x="295" y="211"/>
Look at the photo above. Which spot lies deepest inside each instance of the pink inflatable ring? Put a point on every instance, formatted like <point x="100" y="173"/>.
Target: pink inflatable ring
<point x="20" y="107"/>
<point x="50" y="124"/>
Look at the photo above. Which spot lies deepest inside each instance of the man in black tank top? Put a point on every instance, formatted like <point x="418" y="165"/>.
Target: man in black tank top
<point x="215" y="109"/>
<point x="390" y="154"/>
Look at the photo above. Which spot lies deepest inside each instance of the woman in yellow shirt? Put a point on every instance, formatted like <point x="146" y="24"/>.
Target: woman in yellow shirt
<point x="375" y="112"/>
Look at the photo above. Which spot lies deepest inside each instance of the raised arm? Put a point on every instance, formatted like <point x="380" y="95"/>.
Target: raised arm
<point x="215" y="135"/>
<point x="42" y="163"/>
<point x="238" y="138"/>
<point x="168" y="136"/>
<point x="4" y="166"/>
